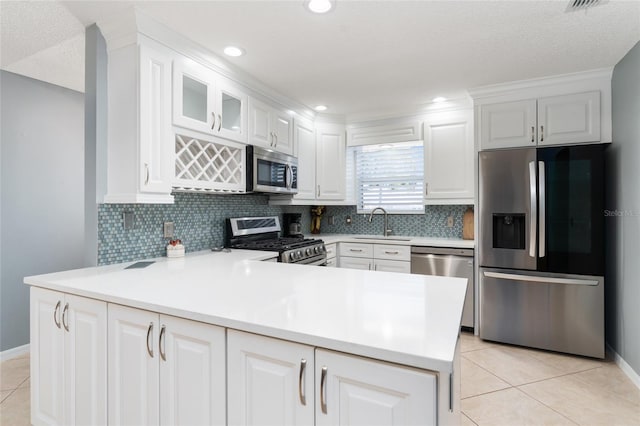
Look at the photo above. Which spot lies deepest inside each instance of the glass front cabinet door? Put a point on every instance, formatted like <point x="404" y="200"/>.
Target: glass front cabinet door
<point x="206" y="102"/>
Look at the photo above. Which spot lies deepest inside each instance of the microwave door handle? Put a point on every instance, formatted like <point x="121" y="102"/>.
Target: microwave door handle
<point x="287" y="178"/>
<point x="533" y="217"/>
<point x="290" y="177"/>
<point x="542" y="184"/>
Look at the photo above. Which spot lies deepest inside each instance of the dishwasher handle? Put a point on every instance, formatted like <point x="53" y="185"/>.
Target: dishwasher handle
<point x="442" y="251"/>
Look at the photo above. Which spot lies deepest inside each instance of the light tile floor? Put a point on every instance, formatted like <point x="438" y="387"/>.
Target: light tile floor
<point x="501" y="385"/>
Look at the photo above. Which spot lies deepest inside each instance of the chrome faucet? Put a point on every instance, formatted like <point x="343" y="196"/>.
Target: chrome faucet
<point x="386" y="230"/>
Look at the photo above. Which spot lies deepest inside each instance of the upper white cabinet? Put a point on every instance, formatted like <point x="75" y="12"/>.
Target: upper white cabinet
<point x="270" y="381"/>
<point x="68" y="359"/>
<point x="139" y="126"/>
<point x="206" y="102"/>
<point x="553" y="120"/>
<point x="448" y="157"/>
<point x="304" y="139"/>
<point x="357" y="391"/>
<point x="270" y="127"/>
<point x="396" y="131"/>
<point x="331" y="153"/>
<point x="164" y="370"/>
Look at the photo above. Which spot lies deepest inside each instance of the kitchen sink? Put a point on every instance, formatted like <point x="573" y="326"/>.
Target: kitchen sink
<point x="383" y="238"/>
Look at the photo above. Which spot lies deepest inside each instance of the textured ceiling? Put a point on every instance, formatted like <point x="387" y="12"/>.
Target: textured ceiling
<point x="369" y="55"/>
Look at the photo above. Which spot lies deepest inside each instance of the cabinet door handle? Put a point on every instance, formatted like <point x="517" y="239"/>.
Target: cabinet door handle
<point x="356" y="250"/>
<point x="426" y="188"/>
<point x="276" y="136"/>
<point x="213" y="125"/>
<point x="318" y="190"/>
<point x="323" y="390"/>
<point x="533" y="134"/>
<point x="56" y="314"/>
<point x="146" y="170"/>
<point x="65" y="323"/>
<point x="301" y="379"/>
<point x="161" y="344"/>
<point x="375" y="267"/>
<point x="541" y="133"/>
<point x="219" y="122"/>
<point x="149" y="346"/>
<point x="392" y="252"/>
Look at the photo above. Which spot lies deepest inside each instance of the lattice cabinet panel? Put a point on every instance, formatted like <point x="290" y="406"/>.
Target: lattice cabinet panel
<point x="208" y="165"/>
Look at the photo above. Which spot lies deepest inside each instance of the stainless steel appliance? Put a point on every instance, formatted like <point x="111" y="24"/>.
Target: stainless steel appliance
<point x="447" y="262"/>
<point x="262" y="233"/>
<point x="541" y="245"/>
<point x="271" y="172"/>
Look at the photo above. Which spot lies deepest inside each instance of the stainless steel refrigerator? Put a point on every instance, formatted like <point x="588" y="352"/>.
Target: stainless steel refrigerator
<point x="541" y="248"/>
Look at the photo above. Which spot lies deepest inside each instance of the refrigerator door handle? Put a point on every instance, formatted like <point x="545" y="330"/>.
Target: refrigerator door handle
<point x="538" y="279"/>
<point x="533" y="218"/>
<point x="542" y="184"/>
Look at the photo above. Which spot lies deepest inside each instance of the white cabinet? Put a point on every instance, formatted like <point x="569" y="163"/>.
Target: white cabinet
<point x="68" y="359"/>
<point x="375" y="257"/>
<point x="331" y="250"/>
<point x="448" y="159"/>
<point x="553" y="120"/>
<point x="270" y="127"/>
<point x="139" y="127"/>
<point x="358" y="391"/>
<point x="321" y="153"/>
<point x="207" y="102"/>
<point x="330" y="162"/>
<point x="270" y="381"/>
<point x="164" y="370"/>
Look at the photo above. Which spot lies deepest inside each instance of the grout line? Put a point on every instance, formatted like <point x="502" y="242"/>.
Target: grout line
<point x="490" y="392"/>
<point x="468" y="417"/>
<point x="490" y="372"/>
<point x="11" y="391"/>
<point x="551" y="408"/>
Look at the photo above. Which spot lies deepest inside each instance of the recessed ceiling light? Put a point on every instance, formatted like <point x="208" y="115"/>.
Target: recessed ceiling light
<point x="320" y="6"/>
<point x="320" y="108"/>
<point x="439" y="99"/>
<point x="233" y="51"/>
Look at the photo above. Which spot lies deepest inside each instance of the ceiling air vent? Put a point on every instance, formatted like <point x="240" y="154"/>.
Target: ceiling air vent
<point x="583" y="4"/>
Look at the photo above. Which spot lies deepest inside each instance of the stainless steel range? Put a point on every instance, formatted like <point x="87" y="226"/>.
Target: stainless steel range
<point x="263" y="233"/>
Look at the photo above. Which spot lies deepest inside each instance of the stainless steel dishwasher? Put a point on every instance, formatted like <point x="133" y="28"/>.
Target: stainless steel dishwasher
<point x="447" y="262"/>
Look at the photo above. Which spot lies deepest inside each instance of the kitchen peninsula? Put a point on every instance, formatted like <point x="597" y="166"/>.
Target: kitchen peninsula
<point x="221" y="338"/>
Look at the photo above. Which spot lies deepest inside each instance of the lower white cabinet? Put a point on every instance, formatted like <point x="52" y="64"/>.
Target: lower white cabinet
<point x="357" y="391"/>
<point x="270" y="381"/>
<point x="164" y="370"/>
<point x="331" y="250"/>
<point x="375" y="257"/>
<point x="68" y="359"/>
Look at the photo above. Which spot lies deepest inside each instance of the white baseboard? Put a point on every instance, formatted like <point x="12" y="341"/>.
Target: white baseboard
<point x="14" y="352"/>
<point x="626" y="368"/>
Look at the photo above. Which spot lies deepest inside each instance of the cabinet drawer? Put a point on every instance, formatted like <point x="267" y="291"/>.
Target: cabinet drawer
<point x="355" y="263"/>
<point x="392" y="266"/>
<point x="331" y="250"/>
<point x="332" y="263"/>
<point x="392" y="252"/>
<point x="356" y="250"/>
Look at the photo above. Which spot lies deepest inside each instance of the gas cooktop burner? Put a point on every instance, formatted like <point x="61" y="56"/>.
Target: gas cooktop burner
<point x="277" y="244"/>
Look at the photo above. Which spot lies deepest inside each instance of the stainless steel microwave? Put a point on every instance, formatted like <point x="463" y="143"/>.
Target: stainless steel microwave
<point x="271" y="172"/>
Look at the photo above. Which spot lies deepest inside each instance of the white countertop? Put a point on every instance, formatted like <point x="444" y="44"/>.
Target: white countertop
<point x="407" y="319"/>
<point x="396" y="239"/>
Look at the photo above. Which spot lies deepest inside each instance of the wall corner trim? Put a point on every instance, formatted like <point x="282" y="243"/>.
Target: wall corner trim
<point x="626" y="368"/>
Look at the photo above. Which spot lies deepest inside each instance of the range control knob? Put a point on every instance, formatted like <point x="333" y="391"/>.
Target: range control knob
<point x="322" y="249"/>
<point x="292" y="256"/>
<point x="316" y="249"/>
<point x="308" y="252"/>
<point x="298" y="254"/>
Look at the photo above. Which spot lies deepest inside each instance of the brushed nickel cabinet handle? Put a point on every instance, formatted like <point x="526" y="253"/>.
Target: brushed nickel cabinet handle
<point x="65" y="323"/>
<point x="161" y="343"/>
<point x="301" y="380"/>
<point x="323" y="390"/>
<point x="213" y="125"/>
<point x="276" y="135"/>
<point x="219" y="122"/>
<point x="149" y="346"/>
<point x="426" y="188"/>
<point x="356" y="250"/>
<point x="533" y="134"/>
<point x="541" y="133"/>
<point x="318" y="190"/>
<point x="146" y="168"/>
<point x="392" y="252"/>
<point x="56" y="314"/>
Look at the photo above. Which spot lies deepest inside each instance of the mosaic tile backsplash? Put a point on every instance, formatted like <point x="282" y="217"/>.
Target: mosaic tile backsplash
<point x="199" y="223"/>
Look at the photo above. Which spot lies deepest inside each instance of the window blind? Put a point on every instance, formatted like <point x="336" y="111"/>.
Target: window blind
<point x="390" y="176"/>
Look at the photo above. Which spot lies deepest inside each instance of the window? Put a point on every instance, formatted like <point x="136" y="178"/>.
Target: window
<point x="390" y="176"/>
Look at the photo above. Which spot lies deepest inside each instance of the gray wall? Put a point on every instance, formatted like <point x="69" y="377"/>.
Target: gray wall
<point x="623" y="216"/>
<point x="42" y="192"/>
